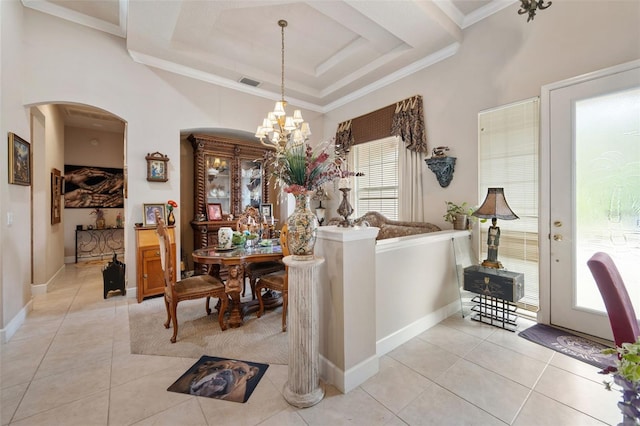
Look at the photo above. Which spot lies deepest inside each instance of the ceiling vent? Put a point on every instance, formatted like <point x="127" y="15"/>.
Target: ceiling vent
<point x="249" y="82"/>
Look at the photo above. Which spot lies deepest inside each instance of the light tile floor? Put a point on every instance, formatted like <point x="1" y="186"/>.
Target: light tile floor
<point x="70" y="364"/>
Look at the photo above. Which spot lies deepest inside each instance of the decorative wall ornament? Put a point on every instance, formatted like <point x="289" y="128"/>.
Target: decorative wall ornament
<point x="443" y="167"/>
<point x="157" y="167"/>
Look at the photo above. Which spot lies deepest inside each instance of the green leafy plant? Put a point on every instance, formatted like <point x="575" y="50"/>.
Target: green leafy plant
<point x="238" y="238"/>
<point x="454" y="209"/>
<point x="626" y="374"/>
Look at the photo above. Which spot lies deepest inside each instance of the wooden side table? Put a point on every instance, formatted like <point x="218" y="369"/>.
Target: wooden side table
<point x="497" y="290"/>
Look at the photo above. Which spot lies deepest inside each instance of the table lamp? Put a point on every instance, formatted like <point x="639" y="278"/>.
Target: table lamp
<point x="494" y="206"/>
<point x="320" y="195"/>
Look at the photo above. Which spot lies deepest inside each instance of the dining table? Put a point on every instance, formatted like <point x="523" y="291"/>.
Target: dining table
<point x="234" y="259"/>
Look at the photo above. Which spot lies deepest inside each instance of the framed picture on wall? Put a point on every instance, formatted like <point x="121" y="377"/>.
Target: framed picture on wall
<point x="19" y="160"/>
<point x="266" y="210"/>
<point x="56" y="196"/>
<point x="92" y="187"/>
<point x="214" y="211"/>
<point x="157" y="167"/>
<point x="149" y="213"/>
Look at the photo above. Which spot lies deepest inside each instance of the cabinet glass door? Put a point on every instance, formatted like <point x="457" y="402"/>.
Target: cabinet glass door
<point x="219" y="182"/>
<point x="251" y="183"/>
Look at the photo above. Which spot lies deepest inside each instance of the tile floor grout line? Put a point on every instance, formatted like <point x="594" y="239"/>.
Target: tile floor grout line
<point x="44" y="355"/>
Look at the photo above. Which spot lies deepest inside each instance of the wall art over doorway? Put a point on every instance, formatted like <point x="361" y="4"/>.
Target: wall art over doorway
<point x="91" y="187"/>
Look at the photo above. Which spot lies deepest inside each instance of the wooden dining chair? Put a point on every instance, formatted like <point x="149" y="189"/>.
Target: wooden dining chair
<point x="253" y="271"/>
<point x="196" y="287"/>
<point x="622" y="317"/>
<point x="277" y="281"/>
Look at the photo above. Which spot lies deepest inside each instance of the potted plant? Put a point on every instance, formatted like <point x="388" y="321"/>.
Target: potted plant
<point x="458" y="215"/>
<point x="626" y="374"/>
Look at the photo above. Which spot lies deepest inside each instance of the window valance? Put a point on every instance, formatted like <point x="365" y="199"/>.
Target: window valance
<point x="404" y="119"/>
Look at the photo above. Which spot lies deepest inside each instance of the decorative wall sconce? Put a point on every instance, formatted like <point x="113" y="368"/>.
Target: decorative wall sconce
<point x="530" y="6"/>
<point x="441" y="165"/>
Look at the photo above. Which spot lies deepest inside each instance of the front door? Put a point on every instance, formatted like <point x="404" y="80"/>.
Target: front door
<point x="594" y="134"/>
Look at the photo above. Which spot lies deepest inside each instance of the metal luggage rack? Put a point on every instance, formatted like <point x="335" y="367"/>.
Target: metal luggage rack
<point x="497" y="312"/>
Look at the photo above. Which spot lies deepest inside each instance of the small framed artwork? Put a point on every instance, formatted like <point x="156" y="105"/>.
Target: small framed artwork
<point x="19" y="160"/>
<point x="149" y="213"/>
<point x="266" y="210"/>
<point x="214" y="211"/>
<point x="157" y="167"/>
<point x="56" y="196"/>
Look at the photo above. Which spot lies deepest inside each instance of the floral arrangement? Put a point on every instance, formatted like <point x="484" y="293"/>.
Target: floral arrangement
<point x="626" y="374"/>
<point x="171" y="205"/>
<point x="300" y="169"/>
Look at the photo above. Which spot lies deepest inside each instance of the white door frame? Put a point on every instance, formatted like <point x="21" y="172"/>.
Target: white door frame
<point x="544" y="226"/>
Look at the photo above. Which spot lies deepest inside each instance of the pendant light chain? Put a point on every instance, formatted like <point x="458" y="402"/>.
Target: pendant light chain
<point x="282" y="24"/>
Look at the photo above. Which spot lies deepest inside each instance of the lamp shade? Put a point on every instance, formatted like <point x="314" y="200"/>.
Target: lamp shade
<point x="495" y="205"/>
<point x="321" y="195"/>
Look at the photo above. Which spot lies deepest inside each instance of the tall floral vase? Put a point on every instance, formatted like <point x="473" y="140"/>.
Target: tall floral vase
<point x="171" y="219"/>
<point x="302" y="228"/>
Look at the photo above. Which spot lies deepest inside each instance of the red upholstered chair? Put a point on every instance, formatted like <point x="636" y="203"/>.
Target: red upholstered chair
<point x="616" y="299"/>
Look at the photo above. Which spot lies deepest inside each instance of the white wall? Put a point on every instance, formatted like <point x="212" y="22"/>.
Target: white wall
<point x="48" y="152"/>
<point x="15" y="277"/>
<point x="501" y="59"/>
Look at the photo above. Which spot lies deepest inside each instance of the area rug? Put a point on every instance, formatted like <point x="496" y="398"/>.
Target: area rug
<point x="569" y="344"/>
<point x="257" y="340"/>
<point x="220" y="378"/>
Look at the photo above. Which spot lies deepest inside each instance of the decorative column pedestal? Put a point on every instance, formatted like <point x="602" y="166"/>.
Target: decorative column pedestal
<point x="303" y="387"/>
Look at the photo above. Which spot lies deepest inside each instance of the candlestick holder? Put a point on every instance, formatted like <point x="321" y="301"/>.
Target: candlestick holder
<point x="344" y="209"/>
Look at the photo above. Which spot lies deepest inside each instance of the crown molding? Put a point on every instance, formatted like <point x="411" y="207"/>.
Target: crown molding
<point x="82" y="19"/>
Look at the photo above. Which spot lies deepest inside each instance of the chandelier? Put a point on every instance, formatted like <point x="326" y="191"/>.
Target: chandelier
<point x="530" y="6"/>
<point x="279" y="129"/>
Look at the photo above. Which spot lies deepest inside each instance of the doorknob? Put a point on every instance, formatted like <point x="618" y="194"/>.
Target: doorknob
<point x="557" y="237"/>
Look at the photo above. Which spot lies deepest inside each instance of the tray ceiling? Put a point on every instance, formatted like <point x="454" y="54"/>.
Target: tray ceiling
<point x="335" y="51"/>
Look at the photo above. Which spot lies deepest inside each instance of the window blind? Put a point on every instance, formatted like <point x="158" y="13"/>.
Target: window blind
<point x="377" y="190"/>
<point x="508" y="158"/>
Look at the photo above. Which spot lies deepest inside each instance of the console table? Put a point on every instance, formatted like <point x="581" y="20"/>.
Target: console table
<point x="99" y="242"/>
<point x="497" y="290"/>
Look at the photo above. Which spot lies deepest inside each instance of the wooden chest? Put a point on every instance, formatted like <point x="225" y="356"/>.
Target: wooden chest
<point x="498" y="283"/>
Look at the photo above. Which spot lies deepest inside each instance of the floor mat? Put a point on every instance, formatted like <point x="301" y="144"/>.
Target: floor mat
<point x="220" y="378"/>
<point x="569" y="344"/>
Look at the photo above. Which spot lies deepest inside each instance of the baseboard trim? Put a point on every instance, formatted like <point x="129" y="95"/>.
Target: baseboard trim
<point x="15" y="323"/>
<point x="42" y="288"/>
<point x="346" y="381"/>
<point x="392" y="341"/>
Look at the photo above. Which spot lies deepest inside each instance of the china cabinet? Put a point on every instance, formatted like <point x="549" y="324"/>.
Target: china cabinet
<point x="229" y="176"/>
